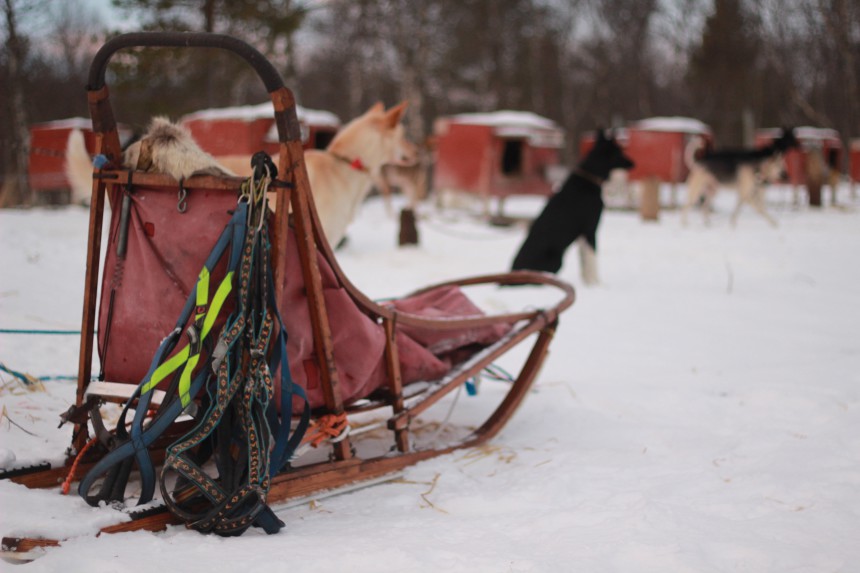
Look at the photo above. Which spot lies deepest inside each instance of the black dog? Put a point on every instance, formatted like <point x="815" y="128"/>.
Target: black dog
<point x="573" y="213"/>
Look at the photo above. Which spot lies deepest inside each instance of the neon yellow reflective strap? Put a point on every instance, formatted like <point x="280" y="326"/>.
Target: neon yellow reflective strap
<point x="185" y="380"/>
<point x="217" y="302"/>
<point x="167" y="368"/>
<point x="220" y="296"/>
<point x="202" y="291"/>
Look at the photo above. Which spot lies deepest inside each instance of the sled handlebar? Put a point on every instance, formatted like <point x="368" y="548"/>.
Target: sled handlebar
<point x="267" y="72"/>
<point x="102" y="113"/>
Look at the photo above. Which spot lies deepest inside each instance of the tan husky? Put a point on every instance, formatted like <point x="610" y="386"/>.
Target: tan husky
<point x="343" y="174"/>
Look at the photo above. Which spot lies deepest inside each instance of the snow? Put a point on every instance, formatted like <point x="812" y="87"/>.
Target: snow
<point x="540" y="131"/>
<point x="264" y="110"/>
<point x="505" y="118"/>
<point x="674" y="124"/>
<point x="804" y="133"/>
<point x="698" y="410"/>
<point x="68" y="123"/>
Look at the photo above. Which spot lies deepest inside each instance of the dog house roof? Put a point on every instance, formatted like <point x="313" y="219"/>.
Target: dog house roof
<point x="68" y="123"/>
<point x="675" y="124"/>
<point x="264" y="110"/>
<point x="540" y="131"/>
<point x="807" y="133"/>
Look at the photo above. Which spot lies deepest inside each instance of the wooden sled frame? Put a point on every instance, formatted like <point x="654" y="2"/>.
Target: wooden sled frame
<point x="293" y="190"/>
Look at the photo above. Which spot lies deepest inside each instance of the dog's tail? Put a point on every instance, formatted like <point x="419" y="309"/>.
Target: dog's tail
<point x="695" y="144"/>
<point x="79" y="168"/>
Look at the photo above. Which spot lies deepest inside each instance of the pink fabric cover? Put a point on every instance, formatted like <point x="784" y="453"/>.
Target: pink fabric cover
<point x="166" y="250"/>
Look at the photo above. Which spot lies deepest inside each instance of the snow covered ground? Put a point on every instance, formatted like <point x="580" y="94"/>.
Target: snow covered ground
<point x="699" y="411"/>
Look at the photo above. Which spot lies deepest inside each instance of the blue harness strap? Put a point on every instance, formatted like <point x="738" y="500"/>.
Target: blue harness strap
<point x="116" y="465"/>
<point x="249" y="432"/>
<point x="240" y="425"/>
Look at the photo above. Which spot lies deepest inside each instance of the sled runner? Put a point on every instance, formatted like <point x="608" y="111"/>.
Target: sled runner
<point x="231" y="335"/>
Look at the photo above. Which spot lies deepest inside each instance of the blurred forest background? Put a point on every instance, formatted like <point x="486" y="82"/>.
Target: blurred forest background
<point x="734" y="64"/>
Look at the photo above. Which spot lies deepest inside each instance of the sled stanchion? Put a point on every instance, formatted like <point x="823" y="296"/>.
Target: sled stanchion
<point x="289" y="137"/>
<point x="323" y="344"/>
<point x="88" y="318"/>
<point x="401" y="435"/>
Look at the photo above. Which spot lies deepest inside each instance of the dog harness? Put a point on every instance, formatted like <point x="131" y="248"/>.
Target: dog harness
<point x="241" y="427"/>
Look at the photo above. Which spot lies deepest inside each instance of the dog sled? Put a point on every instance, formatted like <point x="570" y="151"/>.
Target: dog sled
<point x="280" y="378"/>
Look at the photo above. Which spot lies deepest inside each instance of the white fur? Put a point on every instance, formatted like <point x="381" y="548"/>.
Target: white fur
<point x="170" y="149"/>
<point x="588" y="262"/>
<point x="166" y="148"/>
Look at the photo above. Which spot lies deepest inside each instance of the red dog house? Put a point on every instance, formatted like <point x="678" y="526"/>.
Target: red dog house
<point x="47" y="162"/>
<point x="46" y="168"/>
<point x="825" y="139"/>
<point x="244" y="130"/>
<point x="318" y="129"/>
<point x="855" y="160"/>
<point x="657" y="147"/>
<point x="496" y="154"/>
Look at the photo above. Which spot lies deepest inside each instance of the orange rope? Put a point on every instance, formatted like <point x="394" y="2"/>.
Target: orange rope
<point x="328" y="426"/>
<point x="67" y="485"/>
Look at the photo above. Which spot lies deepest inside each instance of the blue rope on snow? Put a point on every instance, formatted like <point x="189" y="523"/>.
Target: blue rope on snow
<point x="36" y="331"/>
<point x="29" y="379"/>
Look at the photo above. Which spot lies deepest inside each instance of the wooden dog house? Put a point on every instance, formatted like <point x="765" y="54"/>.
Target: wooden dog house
<point x="496" y="154"/>
<point x="657" y="146"/>
<point x="244" y="130"/>
<point x="824" y="139"/>
<point x="47" y="161"/>
<point x="854" y="166"/>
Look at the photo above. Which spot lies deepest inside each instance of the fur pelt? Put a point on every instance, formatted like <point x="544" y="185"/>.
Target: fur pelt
<point x="170" y="149"/>
<point x="165" y="148"/>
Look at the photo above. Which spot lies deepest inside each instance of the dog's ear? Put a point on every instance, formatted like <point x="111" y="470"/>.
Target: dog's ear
<point x="378" y="107"/>
<point x="601" y="134"/>
<point x="393" y="115"/>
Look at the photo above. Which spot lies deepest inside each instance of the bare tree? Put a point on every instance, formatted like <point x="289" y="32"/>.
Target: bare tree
<point x="15" y="190"/>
